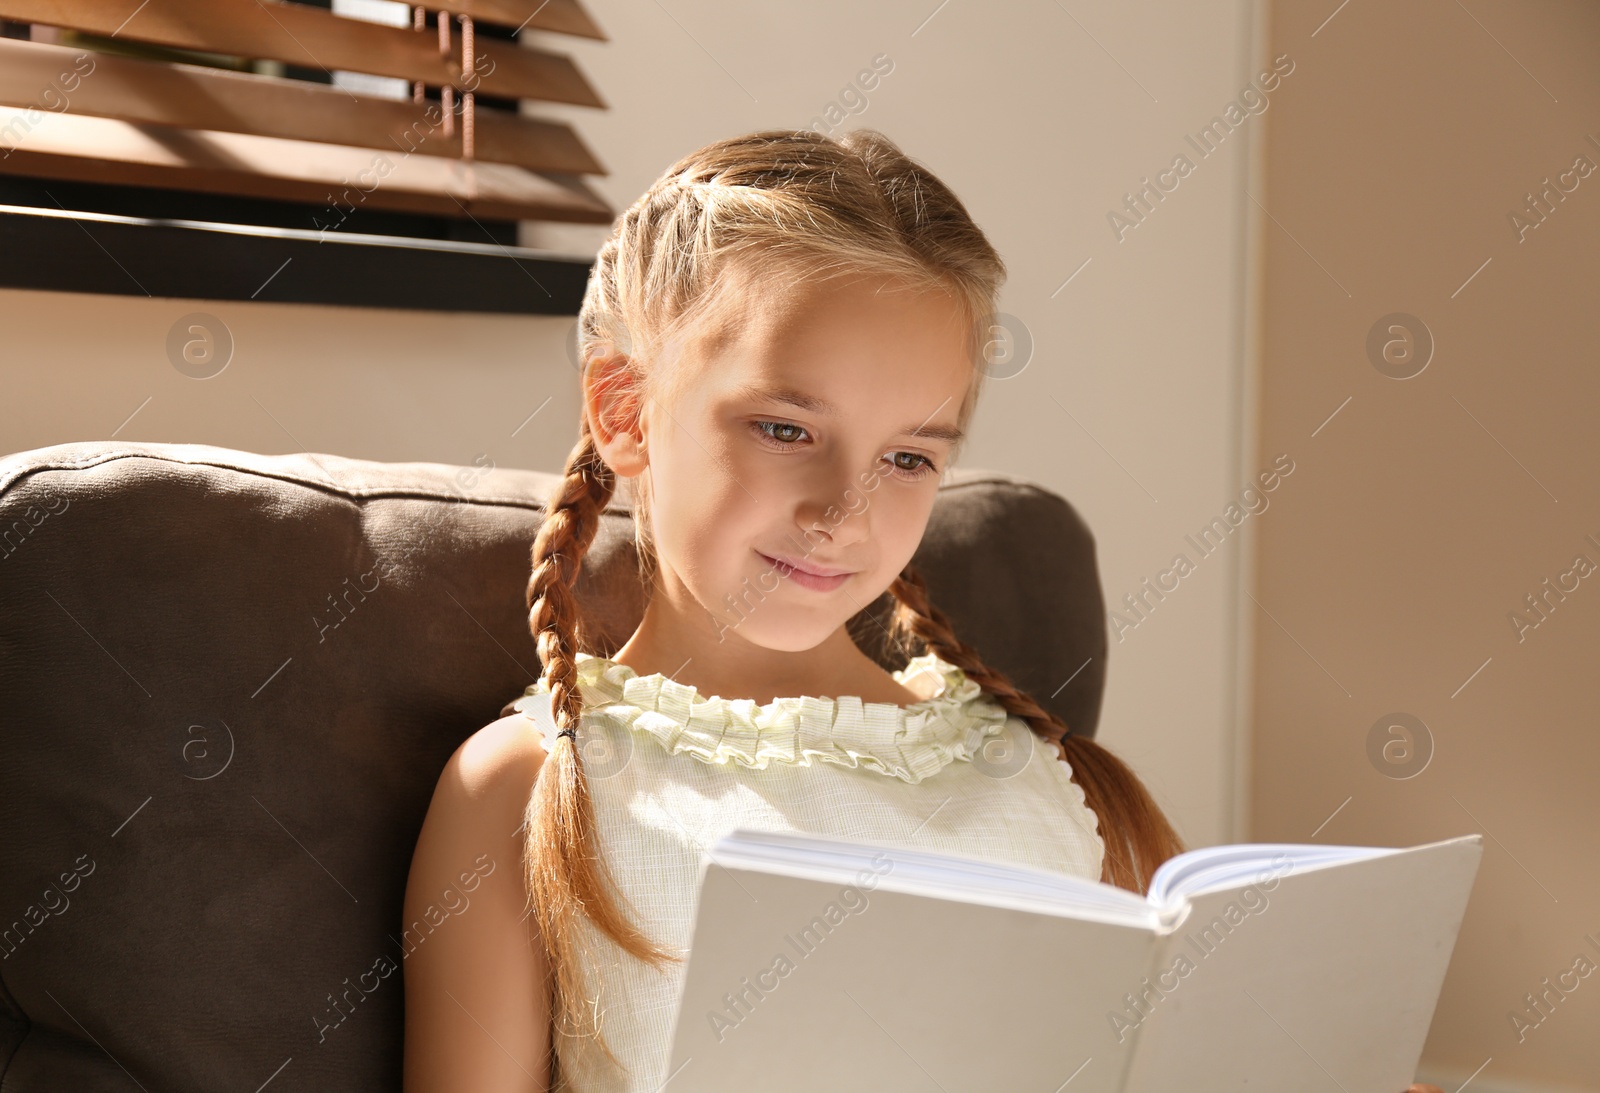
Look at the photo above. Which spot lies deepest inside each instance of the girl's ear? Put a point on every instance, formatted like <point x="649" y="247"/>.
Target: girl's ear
<point x="613" y="405"/>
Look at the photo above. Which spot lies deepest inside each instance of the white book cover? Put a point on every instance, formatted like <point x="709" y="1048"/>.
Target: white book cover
<point x="820" y="963"/>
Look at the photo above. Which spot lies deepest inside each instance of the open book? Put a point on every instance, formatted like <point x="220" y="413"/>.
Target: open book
<point x="823" y="964"/>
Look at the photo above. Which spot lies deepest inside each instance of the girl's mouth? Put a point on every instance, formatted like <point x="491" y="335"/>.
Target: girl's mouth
<point x="805" y="578"/>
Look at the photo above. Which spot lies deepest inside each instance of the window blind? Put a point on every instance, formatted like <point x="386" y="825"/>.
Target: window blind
<point x="200" y="95"/>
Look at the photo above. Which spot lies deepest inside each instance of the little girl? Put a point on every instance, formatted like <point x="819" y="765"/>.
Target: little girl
<point x="782" y="353"/>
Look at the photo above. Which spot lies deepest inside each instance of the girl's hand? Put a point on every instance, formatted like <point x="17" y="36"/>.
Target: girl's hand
<point x="1418" y="1087"/>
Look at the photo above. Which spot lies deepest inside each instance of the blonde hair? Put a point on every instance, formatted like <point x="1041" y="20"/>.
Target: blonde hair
<point x="808" y="207"/>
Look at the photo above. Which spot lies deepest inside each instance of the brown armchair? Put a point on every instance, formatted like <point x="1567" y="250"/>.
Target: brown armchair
<point x="233" y="680"/>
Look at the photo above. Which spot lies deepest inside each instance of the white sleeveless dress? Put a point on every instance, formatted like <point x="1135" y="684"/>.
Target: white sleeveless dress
<point x="670" y="772"/>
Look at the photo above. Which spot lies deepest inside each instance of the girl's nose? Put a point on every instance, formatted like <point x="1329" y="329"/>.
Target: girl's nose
<point x="844" y="515"/>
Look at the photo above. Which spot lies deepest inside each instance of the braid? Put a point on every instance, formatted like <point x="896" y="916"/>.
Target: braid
<point x="1137" y="835"/>
<point x="566" y="878"/>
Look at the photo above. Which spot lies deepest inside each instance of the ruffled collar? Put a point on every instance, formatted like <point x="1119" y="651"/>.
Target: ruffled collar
<point x="908" y="742"/>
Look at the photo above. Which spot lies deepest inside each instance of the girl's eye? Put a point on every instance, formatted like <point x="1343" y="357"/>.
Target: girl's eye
<point x="923" y="466"/>
<point x="762" y="427"/>
<point x="781" y="434"/>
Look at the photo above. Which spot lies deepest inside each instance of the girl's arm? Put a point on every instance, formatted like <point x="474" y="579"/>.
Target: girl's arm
<point x="476" y="1013"/>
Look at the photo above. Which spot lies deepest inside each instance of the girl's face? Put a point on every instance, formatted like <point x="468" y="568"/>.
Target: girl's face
<point x="810" y="429"/>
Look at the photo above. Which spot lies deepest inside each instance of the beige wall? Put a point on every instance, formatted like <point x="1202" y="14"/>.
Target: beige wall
<point x="1421" y="515"/>
<point x="1040" y="119"/>
<point x="376" y="384"/>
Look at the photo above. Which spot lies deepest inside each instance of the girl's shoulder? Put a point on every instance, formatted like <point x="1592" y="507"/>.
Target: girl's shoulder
<point x="501" y="761"/>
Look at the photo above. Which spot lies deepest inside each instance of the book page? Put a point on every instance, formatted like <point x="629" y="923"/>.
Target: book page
<point x="1318" y="974"/>
<point x="1238" y="864"/>
<point x="942" y="874"/>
